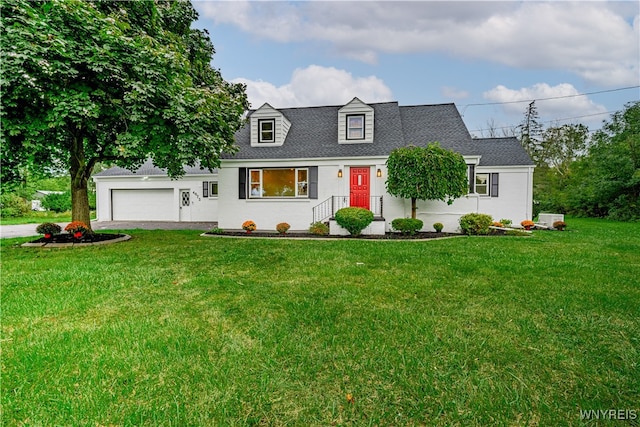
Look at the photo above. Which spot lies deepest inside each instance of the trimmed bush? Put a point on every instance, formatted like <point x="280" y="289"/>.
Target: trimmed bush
<point x="354" y="220"/>
<point x="438" y="226"/>
<point x="475" y="223"/>
<point x="12" y="205"/>
<point x="319" y="229"/>
<point x="407" y="225"/>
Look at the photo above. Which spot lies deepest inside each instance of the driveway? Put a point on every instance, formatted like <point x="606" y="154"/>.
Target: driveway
<point x="27" y="230"/>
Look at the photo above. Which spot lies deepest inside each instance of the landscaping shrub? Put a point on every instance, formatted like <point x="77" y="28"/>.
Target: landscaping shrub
<point x="438" y="226"/>
<point x="12" y="205"/>
<point x="48" y="228"/>
<point x="407" y="225"/>
<point x="354" y="220"/>
<point x="319" y="229"/>
<point x="506" y="222"/>
<point x="475" y="223"/>
<point x="282" y="228"/>
<point x="57" y="202"/>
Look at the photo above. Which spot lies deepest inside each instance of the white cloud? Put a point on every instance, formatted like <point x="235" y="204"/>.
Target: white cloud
<point x="562" y="101"/>
<point x="596" y="40"/>
<point x="316" y="85"/>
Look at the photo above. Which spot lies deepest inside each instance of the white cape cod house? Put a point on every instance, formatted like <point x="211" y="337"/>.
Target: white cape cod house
<point x="300" y="165"/>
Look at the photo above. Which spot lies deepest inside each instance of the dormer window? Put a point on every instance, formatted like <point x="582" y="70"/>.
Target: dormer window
<point x="355" y="123"/>
<point x="267" y="130"/>
<point x="355" y="126"/>
<point x="269" y="127"/>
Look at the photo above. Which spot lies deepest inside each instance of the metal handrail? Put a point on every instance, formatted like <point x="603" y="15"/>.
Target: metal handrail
<point x="333" y="204"/>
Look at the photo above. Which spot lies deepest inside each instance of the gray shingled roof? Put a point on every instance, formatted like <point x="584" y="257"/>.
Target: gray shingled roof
<point x="149" y="169"/>
<point x="314" y="134"/>
<point x="501" y="152"/>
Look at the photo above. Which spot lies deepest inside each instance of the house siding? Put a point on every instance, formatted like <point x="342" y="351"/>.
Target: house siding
<point x="356" y="107"/>
<point x="201" y="208"/>
<point x="298" y="212"/>
<point x="281" y="126"/>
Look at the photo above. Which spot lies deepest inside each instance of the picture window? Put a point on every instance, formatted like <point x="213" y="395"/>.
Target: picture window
<point x="289" y="182"/>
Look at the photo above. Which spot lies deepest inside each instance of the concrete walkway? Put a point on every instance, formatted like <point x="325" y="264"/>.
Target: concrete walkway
<point x="27" y="230"/>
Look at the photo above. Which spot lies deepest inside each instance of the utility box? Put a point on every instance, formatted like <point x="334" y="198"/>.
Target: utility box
<point x="547" y="219"/>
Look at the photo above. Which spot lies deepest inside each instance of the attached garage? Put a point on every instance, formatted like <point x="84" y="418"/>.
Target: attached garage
<point x="148" y="194"/>
<point x="143" y="204"/>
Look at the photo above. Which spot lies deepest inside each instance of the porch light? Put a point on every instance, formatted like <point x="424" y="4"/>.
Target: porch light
<point x="339" y="173"/>
<point x="379" y="173"/>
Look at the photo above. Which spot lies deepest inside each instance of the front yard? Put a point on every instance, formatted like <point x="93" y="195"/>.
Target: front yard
<point x="171" y="328"/>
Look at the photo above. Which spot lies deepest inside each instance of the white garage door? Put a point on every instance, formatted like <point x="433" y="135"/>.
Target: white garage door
<point x="143" y="205"/>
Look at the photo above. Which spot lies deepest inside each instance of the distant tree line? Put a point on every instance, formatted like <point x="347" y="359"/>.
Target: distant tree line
<point x="583" y="174"/>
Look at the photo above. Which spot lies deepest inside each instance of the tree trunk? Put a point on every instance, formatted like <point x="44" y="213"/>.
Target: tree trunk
<point x="414" y="207"/>
<point x="80" y="174"/>
<point x="80" y="203"/>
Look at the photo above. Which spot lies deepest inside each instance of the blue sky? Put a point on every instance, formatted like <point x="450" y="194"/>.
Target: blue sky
<point x="491" y="53"/>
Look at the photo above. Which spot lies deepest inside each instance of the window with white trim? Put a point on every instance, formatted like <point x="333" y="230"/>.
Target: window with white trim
<point x="266" y="130"/>
<point x="482" y="184"/>
<point x="278" y="182"/>
<point x="209" y="189"/>
<point x="355" y="126"/>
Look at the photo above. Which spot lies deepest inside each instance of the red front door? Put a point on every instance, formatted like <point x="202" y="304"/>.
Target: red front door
<point x="359" y="179"/>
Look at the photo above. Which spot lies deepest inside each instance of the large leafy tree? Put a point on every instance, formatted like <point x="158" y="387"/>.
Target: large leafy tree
<point x="607" y="181"/>
<point x="560" y="147"/>
<point x="88" y="82"/>
<point x="426" y="173"/>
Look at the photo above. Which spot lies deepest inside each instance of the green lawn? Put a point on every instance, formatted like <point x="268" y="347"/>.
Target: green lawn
<point x="174" y="329"/>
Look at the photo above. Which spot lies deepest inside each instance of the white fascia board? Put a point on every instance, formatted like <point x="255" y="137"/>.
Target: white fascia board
<point x="151" y="177"/>
<point x="511" y="168"/>
<point x="372" y="159"/>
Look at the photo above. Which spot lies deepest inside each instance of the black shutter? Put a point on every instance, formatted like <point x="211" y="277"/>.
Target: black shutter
<point x="494" y="185"/>
<point x="472" y="179"/>
<point x="242" y="183"/>
<point x="313" y="182"/>
<point x="205" y="188"/>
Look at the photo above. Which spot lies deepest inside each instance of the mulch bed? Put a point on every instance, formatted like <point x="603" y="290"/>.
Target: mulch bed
<point x="87" y="238"/>
<point x="387" y="236"/>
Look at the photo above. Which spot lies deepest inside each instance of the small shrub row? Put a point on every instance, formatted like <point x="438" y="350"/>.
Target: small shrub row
<point x="407" y="225"/>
